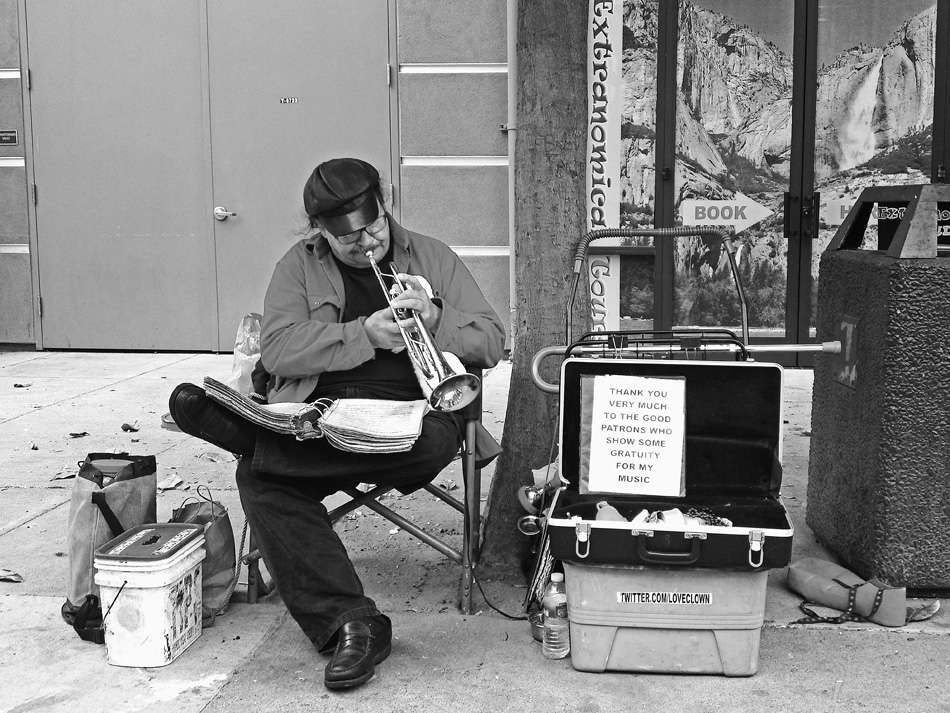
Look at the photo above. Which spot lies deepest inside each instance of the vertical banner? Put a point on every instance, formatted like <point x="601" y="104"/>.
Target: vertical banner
<point x="604" y="96"/>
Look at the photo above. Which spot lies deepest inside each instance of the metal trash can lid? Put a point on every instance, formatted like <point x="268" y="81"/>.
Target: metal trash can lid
<point x="150" y="542"/>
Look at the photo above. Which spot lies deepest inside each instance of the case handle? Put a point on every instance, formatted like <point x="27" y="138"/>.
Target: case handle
<point x="660" y="557"/>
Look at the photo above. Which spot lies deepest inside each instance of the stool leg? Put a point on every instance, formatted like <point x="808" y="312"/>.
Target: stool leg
<point x="253" y="570"/>
<point x="472" y="515"/>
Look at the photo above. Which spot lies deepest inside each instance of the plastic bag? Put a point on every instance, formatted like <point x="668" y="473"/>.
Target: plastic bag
<point x="112" y="493"/>
<point x="247" y="351"/>
<point x="219" y="571"/>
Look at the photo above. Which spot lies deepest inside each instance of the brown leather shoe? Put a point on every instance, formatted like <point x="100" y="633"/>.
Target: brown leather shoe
<point x="361" y="644"/>
<point x="199" y="416"/>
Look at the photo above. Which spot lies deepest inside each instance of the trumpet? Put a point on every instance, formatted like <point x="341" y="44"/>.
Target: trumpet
<point x="444" y="388"/>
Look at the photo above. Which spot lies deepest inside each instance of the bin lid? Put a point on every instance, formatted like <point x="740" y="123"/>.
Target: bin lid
<point x="733" y="424"/>
<point x="150" y="542"/>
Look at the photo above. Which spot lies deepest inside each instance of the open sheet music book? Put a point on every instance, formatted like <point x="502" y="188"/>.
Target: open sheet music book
<point x="355" y="425"/>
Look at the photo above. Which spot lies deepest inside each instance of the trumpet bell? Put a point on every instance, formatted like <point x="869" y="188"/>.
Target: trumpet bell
<point x="455" y="392"/>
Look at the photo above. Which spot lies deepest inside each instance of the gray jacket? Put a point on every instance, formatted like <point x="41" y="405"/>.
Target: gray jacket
<point x="302" y="335"/>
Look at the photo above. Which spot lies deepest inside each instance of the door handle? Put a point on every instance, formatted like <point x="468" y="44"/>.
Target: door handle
<point x="222" y="213"/>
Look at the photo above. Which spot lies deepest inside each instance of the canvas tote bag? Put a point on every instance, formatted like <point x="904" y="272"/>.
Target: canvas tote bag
<point x="113" y="492"/>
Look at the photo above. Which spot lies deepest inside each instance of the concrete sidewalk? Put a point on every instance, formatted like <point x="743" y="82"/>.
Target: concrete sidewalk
<point x="255" y="657"/>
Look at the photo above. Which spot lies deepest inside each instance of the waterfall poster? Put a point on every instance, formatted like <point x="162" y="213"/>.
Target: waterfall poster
<point x="873" y="119"/>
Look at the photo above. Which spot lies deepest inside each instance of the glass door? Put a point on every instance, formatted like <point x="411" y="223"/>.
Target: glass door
<point x="770" y="116"/>
<point x="638" y="138"/>
<point x="875" y="107"/>
<point x="732" y="160"/>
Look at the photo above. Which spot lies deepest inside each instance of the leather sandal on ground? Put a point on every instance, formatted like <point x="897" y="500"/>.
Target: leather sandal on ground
<point x="830" y="585"/>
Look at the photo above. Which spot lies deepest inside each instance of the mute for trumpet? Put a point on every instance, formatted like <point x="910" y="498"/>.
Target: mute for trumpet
<point x="529" y="525"/>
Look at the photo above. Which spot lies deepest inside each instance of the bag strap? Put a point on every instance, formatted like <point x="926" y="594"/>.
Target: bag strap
<point x="848" y="615"/>
<point x="176" y="513"/>
<point x="90" y="631"/>
<point x="208" y="497"/>
<point x="99" y="499"/>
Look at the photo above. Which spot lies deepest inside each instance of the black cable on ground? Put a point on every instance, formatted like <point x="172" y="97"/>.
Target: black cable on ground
<point x="523" y="617"/>
<point x="513" y="617"/>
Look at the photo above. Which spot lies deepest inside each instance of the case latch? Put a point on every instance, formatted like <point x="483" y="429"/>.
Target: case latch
<point x="756" y="544"/>
<point x="582" y="532"/>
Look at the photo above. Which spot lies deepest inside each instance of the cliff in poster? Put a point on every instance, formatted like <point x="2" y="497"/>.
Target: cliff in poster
<point x="733" y="134"/>
<point x="734" y="93"/>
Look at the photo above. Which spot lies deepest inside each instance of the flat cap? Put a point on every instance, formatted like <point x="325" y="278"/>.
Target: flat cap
<point x="340" y="193"/>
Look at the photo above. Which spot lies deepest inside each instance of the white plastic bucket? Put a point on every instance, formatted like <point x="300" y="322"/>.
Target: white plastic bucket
<point x="150" y="580"/>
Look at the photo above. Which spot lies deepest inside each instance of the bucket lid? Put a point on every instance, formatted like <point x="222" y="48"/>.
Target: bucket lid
<point x="150" y="542"/>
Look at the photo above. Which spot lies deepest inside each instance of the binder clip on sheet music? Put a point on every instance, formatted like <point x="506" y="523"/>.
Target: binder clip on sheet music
<point x="354" y="425"/>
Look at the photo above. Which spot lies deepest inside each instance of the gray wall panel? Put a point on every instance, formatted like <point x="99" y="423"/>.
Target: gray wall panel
<point x="462" y="205"/>
<point x="491" y="273"/>
<point x="452" y="31"/>
<point x="16" y="296"/>
<point x="453" y="114"/>
<point x="11" y="115"/>
<point x="9" y="34"/>
<point x="14" y="226"/>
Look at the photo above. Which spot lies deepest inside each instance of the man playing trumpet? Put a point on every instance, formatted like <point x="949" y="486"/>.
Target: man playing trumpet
<point x="329" y="331"/>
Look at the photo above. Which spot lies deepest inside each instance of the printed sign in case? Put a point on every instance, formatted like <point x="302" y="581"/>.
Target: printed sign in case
<point x="637" y="435"/>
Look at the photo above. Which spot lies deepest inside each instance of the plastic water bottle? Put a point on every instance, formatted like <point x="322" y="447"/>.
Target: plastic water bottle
<point x="556" y="643"/>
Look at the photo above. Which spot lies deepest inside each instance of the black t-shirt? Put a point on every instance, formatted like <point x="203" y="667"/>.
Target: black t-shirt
<point x="389" y="375"/>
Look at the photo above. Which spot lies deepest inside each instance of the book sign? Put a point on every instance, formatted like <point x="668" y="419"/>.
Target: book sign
<point x="741" y="212"/>
<point x="638" y="432"/>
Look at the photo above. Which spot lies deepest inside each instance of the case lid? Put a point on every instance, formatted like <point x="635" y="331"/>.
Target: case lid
<point x="733" y="420"/>
<point x="150" y="542"/>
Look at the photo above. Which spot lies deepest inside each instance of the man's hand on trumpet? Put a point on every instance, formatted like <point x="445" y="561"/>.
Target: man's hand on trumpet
<point x="418" y="298"/>
<point x="381" y="327"/>
<point x="382" y="331"/>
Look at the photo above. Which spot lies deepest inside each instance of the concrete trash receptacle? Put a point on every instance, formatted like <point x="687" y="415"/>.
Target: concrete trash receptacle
<point x="879" y="467"/>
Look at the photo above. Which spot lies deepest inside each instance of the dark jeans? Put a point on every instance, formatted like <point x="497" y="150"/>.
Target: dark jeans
<point x="282" y="487"/>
